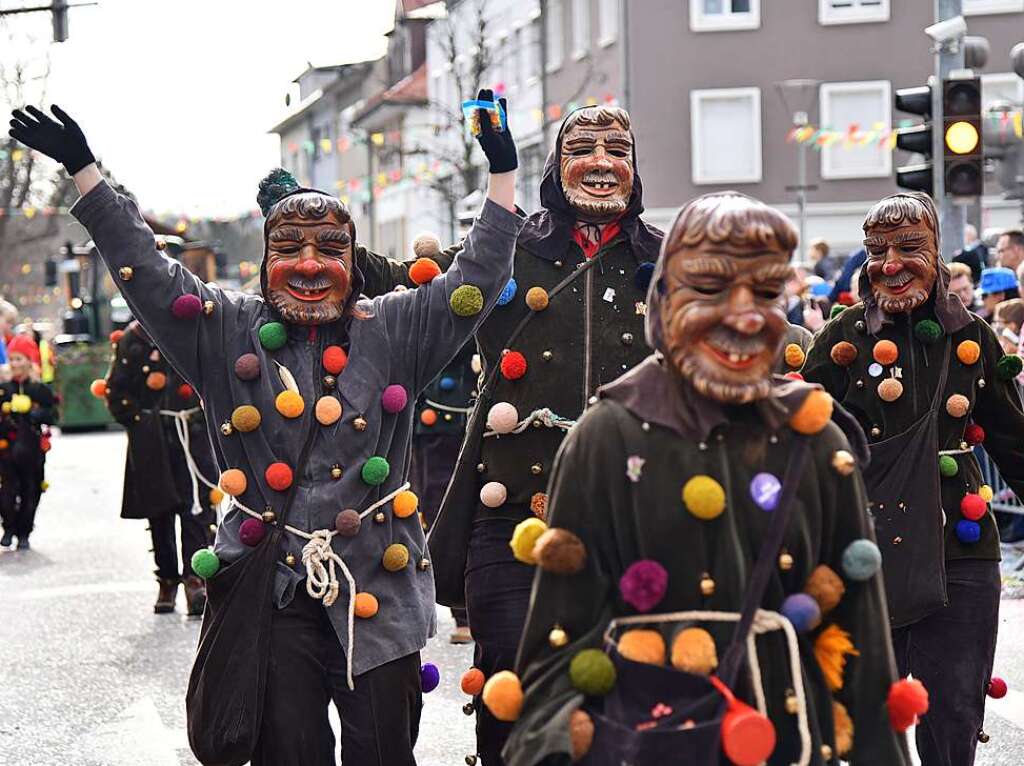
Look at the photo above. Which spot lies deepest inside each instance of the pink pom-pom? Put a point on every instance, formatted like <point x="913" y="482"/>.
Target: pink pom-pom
<point x="187" y="306"/>
<point x="251" y="531"/>
<point x="643" y="584"/>
<point x="394" y="399"/>
<point x="997" y="688"/>
<point x="493" y="494"/>
<point x="502" y="418"/>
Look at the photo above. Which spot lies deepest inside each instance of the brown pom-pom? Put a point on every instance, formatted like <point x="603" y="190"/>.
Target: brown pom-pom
<point x="559" y="551"/>
<point x="539" y="505"/>
<point x="643" y="646"/>
<point x="844" y="353"/>
<point x="958" y="405"/>
<point x="825" y="587"/>
<point x="426" y="245"/>
<point x="581" y="734"/>
<point x="843" y="728"/>
<point x="889" y="390"/>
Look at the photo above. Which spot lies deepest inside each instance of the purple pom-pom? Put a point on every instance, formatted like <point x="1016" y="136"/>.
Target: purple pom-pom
<point x="187" y="306"/>
<point x="643" y="584"/>
<point x="801" y="610"/>
<point x="430" y="677"/>
<point x="251" y="531"/>
<point x="247" y="367"/>
<point x="394" y="399"/>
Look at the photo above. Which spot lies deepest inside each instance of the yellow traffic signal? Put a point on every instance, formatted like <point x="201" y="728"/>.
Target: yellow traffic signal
<point x="962" y="137"/>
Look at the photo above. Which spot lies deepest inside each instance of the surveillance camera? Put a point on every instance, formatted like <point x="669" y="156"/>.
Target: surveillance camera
<point x="948" y="30"/>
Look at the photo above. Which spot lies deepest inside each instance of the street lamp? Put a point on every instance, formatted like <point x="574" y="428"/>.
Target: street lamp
<point x="799" y="98"/>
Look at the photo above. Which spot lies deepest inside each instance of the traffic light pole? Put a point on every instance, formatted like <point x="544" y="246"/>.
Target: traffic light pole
<point x="949" y="56"/>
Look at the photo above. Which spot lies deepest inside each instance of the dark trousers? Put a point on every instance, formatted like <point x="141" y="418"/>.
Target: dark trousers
<point x="19" y="498"/>
<point x="380" y="719"/>
<point x="497" y="598"/>
<point x="951" y="653"/>
<point x="195" y="534"/>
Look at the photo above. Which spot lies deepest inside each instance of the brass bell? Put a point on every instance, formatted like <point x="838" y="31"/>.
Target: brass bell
<point x="468" y="709"/>
<point x="208" y="307"/>
<point x="859" y="384"/>
<point x="983" y="736"/>
<point x="536" y="469"/>
<point x="876" y="431"/>
<point x="424" y="564"/>
<point x="290" y="559"/>
<point x="161" y="244"/>
<point x="329" y="382"/>
<point x="627" y="339"/>
<point x="481" y="467"/>
<point x="213" y="529"/>
<point x="558" y="637"/>
<point x="547" y="356"/>
<point x="981" y="382"/>
<point x="470" y="760"/>
<point x="136" y="418"/>
<point x="448" y="417"/>
<point x="227" y="429"/>
<point x="126" y="273"/>
<point x="707" y="585"/>
<point x="785" y="561"/>
<point x="379" y="517"/>
<point x="843" y="462"/>
<point x="359" y="423"/>
<point x="558" y="264"/>
<point x="792" y="703"/>
<point x="335" y="471"/>
<point x="145" y="368"/>
<point x="826" y="752"/>
<point x="269" y="517"/>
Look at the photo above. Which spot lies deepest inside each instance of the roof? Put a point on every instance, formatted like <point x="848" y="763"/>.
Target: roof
<point x="345" y="73"/>
<point x="410" y="90"/>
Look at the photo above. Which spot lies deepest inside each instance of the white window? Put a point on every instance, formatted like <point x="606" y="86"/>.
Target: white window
<point x="725" y="135"/>
<point x="984" y="7"/>
<point x="555" y="15"/>
<point x="868" y="106"/>
<point x="718" y="15"/>
<point x="852" y="11"/>
<point x="531" y="53"/>
<point x="580" y="28"/>
<point x="608" y="21"/>
<point x="1004" y="86"/>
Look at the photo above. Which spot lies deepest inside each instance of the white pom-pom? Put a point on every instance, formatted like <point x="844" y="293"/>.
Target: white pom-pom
<point x="502" y="418"/>
<point x="493" y="494"/>
<point x="426" y="245"/>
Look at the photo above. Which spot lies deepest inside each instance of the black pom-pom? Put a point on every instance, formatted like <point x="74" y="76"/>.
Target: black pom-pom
<point x="277" y="184"/>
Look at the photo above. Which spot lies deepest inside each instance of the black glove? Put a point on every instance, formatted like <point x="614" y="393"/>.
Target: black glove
<point x="497" y="145"/>
<point x="62" y="141"/>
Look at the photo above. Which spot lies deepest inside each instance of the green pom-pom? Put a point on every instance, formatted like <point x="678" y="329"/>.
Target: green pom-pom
<point x="1009" y="367"/>
<point x="592" y="672"/>
<point x="273" y="335"/>
<point x="375" y="470"/>
<point x="948" y="466"/>
<point x="205" y="563"/>
<point x="836" y="311"/>
<point x="467" y="300"/>
<point x="277" y="184"/>
<point x="928" y="331"/>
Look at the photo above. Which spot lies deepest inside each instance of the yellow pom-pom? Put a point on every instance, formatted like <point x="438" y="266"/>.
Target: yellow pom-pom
<point x="245" y="418"/>
<point x="813" y="415"/>
<point x="21" y="403"/>
<point x="525" y="537"/>
<point x="643" y="646"/>
<point x="396" y="557"/>
<point x="537" y="298"/>
<point x="216" y="496"/>
<point x="5" y="407"/>
<point x="968" y="352"/>
<point x="794" y="355"/>
<point x="366" y="605"/>
<point x="693" y="651"/>
<point x="233" y="482"/>
<point x="503" y="695"/>
<point x="986" y="493"/>
<point x="289" y="404"/>
<point x="830" y="650"/>
<point x="405" y="504"/>
<point x="704" y="497"/>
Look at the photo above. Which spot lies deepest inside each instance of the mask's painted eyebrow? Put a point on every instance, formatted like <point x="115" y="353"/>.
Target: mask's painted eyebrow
<point x="719" y="267"/>
<point x="333" y="235"/>
<point x="876" y="240"/>
<point x="286" y="234"/>
<point x="774" y="271"/>
<point x="619" y="137"/>
<point x="910" y="236"/>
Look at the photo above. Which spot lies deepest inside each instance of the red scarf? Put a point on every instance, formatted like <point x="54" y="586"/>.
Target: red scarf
<point x="589" y="248"/>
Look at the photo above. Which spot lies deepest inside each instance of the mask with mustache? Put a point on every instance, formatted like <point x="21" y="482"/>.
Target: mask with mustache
<point x="902" y="264"/>
<point x="596" y="164"/>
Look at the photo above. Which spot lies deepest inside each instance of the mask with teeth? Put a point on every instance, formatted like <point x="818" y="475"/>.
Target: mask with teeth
<point x="309" y="258"/>
<point x="723" y="321"/>
<point x="596" y="163"/>
<point x="902" y="265"/>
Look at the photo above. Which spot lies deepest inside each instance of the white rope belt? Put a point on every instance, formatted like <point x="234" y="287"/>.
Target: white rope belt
<point x="446" y="408"/>
<point x="544" y="416"/>
<point x="322" y="561"/>
<point x="764" y="621"/>
<point x="181" y="418"/>
<point x="956" y="451"/>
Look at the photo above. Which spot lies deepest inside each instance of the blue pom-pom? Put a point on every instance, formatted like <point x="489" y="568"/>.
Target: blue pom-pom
<point x="643" y="275"/>
<point x="968" y="532"/>
<point x="508" y="293"/>
<point x="861" y="560"/>
<point x="430" y="677"/>
<point x="446" y="384"/>
<point x="801" y="610"/>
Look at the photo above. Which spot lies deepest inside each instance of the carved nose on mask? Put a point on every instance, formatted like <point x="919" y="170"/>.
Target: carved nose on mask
<point x="748" y="323"/>
<point x="308" y="268"/>
<point x="890" y="268"/>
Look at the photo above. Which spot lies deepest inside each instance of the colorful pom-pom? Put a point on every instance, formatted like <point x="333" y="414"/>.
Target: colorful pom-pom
<point x="907" y="700"/>
<point x="842" y="724"/>
<point x="366" y="605"/>
<point x="394" y="398"/>
<point x="289" y="404"/>
<point x="973" y="507"/>
<point x="98" y="388"/>
<point x="968" y="351"/>
<point x="447" y="384"/>
<point x="559" y="551"/>
<point x="643" y="645"/>
<point x="187" y="306"/>
<point x="814" y="414"/>
<point x="185" y="391"/>
<point x="968" y="532"/>
<point x="861" y="560"/>
<point x="233" y="482"/>
<point x="1009" y="367"/>
<point x="430" y="677"/>
<point x="704" y="497"/>
<point x="493" y="494"/>
<point x="958" y="405"/>
<point x="472" y="682"/>
<point x="156" y="381"/>
<point x="513" y="365"/>
<point x="985" y="493"/>
<point x="428" y="417"/>
<point x="836" y="310"/>
<point x="423" y="270"/>
<point x="348" y="522"/>
<point x="997" y="688"/>
<point x="693" y="651"/>
<point x="467" y="300"/>
<point x="405" y="504"/>
<point x="539" y="505"/>
<point x="948" y="466"/>
<point x="791" y="375"/>
<point x="273" y="336"/>
<point x="525" y="537"/>
<point x="643" y="585"/>
<point x="426" y="245"/>
<point x="831" y="648"/>
<point x="396" y="557"/>
<point x="581" y="734"/>
<point x="115" y="336"/>
<point x="890" y="389"/>
<point x="503" y="695"/>
<point x="844" y="353"/>
<point x="885" y="352"/>
<point x="247" y="367"/>
<point x="327" y="410"/>
<point x="591" y="671"/>
<point x="765" y="489"/>
<point x="642" y="276"/>
<point x="246" y="418"/>
<point x="825" y="587"/>
<point x="205" y="563"/>
<point x="537" y="298"/>
<point x="508" y="293"/>
<point x="215" y="496"/>
<point x="974" y="434"/>
<point x="502" y="418"/>
<point x="334" y="359"/>
<point x="927" y="331"/>
<point x="801" y="610"/>
<point x="251" y="532"/>
<point x="794" y="355"/>
<point x="278" y="476"/>
<point x="375" y="470"/>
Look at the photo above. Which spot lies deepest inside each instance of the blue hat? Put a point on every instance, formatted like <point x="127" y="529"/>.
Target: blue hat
<point x="997" y="280"/>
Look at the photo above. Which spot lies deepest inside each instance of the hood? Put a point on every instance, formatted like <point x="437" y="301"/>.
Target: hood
<point x="549" y="229"/>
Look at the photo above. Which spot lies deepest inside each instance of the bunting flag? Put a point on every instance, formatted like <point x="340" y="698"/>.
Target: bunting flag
<point x="883" y="137"/>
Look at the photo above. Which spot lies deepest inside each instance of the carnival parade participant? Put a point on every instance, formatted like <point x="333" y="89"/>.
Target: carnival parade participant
<point x="701" y="499"/>
<point x="570" y="320"/>
<point x="27" y="409"/>
<point x="163" y="417"/>
<point x="928" y="382"/>
<point x="324" y="590"/>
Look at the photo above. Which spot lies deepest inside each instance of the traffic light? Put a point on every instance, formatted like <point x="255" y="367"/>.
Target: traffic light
<point x="963" y="155"/>
<point x="60" y="20"/>
<point x="916" y="139"/>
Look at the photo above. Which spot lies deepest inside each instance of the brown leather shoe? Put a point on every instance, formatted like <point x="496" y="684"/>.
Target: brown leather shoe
<point x="195" y="595"/>
<point x="166" y="596"/>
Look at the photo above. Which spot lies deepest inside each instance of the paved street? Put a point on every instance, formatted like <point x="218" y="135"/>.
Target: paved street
<point x="92" y="677"/>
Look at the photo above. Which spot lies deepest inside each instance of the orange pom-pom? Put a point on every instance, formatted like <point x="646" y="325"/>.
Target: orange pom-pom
<point x="885" y="352"/>
<point x="794" y="355"/>
<point x="643" y="646"/>
<point x="814" y="414"/>
<point x="428" y="417"/>
<point x="968" y="352"/>
<point x="327" y="410"/>
<point x="115" y="336"/>
<point x="423" y="270"/>
<point x="830" y="650"/>
<point x="581" y="734"/>
<point x="98" y="388"/>
<point x="289" y="404"/>
<point x="366" y="605"/>
<point x="334" y="359"/>
<point x="473" y="681"/>
<point x="843" y="725"/>
<point x="156" y="381"/>
<point x="405" y="504"/>
<point x="279" y="476"/>
<point x="908" y="699"/>
<point x="233" y="482"/>
<point x="503" y="695"/>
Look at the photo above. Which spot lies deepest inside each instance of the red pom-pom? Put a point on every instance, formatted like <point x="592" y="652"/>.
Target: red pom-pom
<point x="973" y="507"/>
<point x="908" y="699"/>
<point x="845" y="298"/>
<point x="513" y="365"/>
<point x="116" y="335"/>
<point x="335" y="359"/>
<point x="793" y="376"/>
<point x="185" y="391"/>
<point x="997" y="688"/>
<point x="278" y="476"/>
<point x="974" y="434"/>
